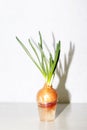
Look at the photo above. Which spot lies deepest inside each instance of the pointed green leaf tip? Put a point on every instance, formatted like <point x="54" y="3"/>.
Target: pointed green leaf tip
<point x="45" y="66"/>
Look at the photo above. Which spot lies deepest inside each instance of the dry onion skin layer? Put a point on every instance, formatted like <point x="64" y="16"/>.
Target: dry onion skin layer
<point x="47" y="95"/>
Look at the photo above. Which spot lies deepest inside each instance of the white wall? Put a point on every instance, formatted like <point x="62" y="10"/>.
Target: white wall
<point x="67" y="19"/>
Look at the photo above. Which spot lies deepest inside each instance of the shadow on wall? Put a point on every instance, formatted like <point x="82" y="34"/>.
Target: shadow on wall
<point x="62" y="73"/>
<point x="63" y="94"/>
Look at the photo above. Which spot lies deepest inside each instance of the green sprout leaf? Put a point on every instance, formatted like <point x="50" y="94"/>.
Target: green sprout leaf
<point x="45" y="66"/>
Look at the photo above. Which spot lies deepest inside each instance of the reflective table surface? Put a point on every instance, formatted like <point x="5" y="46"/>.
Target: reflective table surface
<point x="24" y="116"/>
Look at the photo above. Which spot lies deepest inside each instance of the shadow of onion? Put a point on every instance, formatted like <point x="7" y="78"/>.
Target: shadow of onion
<point x="64" y="95"/>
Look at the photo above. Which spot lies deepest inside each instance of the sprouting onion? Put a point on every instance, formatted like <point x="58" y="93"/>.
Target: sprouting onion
<point x="46" y="66"/>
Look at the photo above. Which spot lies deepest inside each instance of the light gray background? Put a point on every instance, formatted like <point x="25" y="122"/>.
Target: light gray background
<point x="67" y="19"/>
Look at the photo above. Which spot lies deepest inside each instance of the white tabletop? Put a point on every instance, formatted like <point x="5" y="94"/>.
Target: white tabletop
<point x="24" y="116"/>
